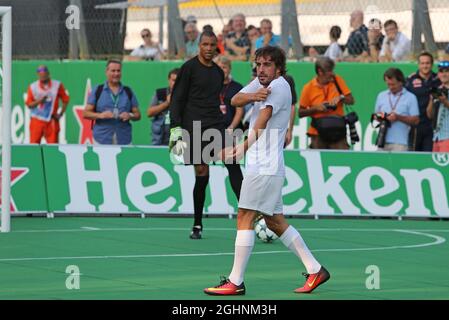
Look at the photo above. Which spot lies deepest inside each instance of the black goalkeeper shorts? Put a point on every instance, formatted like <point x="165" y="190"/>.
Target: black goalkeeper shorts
<point x="206" y="145"/>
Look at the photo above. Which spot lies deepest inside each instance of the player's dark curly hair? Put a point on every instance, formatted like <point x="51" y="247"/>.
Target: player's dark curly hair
<point x="276" y="54"/>
<point x="208" y="33"/>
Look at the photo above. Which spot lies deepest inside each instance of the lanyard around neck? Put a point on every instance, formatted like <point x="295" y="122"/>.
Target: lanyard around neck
<point x="115" y="99"/>
<point x="223" y="93"/>
<point x="394" y="106"/>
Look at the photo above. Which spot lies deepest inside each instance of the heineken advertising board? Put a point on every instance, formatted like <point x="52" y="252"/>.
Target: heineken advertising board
<point x="114" y="179"/>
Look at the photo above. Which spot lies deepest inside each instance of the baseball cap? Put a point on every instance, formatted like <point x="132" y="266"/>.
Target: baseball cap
<point x="443" y="65"/>
<point x="191" y="18"/>
<point x="42" y="69"/>
<point x="375" y="24"/>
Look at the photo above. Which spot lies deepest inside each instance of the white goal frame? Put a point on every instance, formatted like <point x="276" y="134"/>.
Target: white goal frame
<point x="6" y="16"/>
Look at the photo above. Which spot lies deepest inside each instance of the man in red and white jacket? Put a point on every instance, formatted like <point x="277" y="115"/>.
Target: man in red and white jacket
<point x="43" y="99"/>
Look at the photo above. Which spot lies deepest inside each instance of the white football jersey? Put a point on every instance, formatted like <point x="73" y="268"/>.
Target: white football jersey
<point x="266" y="155"/>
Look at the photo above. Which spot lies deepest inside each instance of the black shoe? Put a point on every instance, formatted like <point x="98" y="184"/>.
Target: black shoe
<point x="195" y="233"/>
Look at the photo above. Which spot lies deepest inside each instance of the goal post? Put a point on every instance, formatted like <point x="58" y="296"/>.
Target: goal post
<point x="6" y="62"/>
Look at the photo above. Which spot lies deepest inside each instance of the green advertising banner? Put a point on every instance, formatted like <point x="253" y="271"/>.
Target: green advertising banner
<point x="114" y="179"/>
<point x="28" y="189"/>
<point x="79" y="77"/>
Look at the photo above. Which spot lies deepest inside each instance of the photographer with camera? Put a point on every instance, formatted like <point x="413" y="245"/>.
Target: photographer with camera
<point x="322" y="99"/>
<point x="421" y="83"/>
<point x="438" y="110"/>
<point x="396" y="110"/>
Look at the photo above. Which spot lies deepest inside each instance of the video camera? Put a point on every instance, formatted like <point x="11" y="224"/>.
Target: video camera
<point x="383" y="126"/>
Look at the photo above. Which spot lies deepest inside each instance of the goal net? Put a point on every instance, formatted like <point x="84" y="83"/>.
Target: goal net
<point x="5" y="112"/>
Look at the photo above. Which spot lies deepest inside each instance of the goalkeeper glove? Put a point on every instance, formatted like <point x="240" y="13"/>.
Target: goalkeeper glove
<point x="175" y="143"/>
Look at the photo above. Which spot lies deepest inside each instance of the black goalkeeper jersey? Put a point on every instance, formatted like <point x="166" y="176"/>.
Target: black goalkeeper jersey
<point x="196" y="96"/>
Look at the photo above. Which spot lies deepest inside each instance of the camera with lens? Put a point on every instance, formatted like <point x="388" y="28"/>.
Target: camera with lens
<point x="351" y="119"/>
<point x="438" y="92"/>
<point x="383" y="126"/>
<point x="329" y="106"/>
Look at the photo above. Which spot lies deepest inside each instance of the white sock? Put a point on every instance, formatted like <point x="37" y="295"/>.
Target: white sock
<point x="293" y="240"/>
<point x="244" y="243"/>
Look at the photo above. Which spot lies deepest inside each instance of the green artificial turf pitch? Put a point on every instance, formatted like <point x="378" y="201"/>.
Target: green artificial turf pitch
<point x="153" y="258"/>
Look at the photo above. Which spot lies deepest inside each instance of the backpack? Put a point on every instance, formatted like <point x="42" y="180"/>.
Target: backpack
<point x="99" y="90"/>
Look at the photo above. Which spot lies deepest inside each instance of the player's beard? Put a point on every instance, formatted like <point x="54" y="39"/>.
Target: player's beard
<point x="266" y="79"/>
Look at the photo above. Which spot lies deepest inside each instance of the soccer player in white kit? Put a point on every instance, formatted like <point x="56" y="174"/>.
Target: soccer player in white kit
<point x="261" y="191"/>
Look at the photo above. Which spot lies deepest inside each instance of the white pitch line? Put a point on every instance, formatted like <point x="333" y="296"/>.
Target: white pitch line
<point x="90" y="229"/>
<point x="438" y="240"/>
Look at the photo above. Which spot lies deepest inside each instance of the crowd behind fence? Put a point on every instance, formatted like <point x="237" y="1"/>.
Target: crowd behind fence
<point x="40" y="27"/>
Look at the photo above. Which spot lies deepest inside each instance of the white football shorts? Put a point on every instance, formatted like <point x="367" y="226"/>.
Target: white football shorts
<point x="262" y="193"/>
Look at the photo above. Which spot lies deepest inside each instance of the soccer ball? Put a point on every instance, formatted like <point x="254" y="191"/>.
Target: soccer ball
<point x="262" y="231"/>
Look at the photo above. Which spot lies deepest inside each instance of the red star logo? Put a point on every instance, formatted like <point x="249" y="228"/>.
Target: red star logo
<point x="16" y="175"/>
<point x="85" y="124"/>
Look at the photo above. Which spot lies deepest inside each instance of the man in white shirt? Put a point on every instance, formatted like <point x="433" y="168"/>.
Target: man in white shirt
<point x="396" y="46"/>
<point x="149" y="50"/>
<point x="261" y="191"/>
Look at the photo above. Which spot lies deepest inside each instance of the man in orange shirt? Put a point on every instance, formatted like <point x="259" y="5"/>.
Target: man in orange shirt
<point x="43" y="99"/>
<point x="323" y="98"/>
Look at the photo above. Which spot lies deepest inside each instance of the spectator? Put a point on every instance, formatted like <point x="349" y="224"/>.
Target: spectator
<point x="357" y="45"/>
<point x="191" y="19"/>
<point x="312" y="55"/>
<point x="421" y="83"/>
<point x="193" y="38"/>
<point x="334" y="51"/>
<point x="233" y="116"/>
<point x="253" y="35"/>
<point x="400" y="108"/>
<point x="43" y="99"/>
<point x="227" y="28"/>
<point x="149" y="50"/>
<point x="375" y="40"/>
<point x="268" y="38"/>
<point x="158" y="110"/>
<point x="323" y="98"/>
<point x="439" y="110"/>
<point x="112" y="106"/>
<point x="237" y="44"/>
<point x="396" y="46"/>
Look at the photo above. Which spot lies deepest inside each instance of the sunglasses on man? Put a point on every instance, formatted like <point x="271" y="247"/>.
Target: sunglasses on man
<point x="443" y="66"/>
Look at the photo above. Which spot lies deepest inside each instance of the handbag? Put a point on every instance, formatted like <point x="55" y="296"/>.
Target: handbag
<point x="330" y="128"/>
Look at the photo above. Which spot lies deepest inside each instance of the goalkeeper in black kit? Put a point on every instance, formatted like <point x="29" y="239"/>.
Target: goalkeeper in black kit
<point x="197" y="125"/>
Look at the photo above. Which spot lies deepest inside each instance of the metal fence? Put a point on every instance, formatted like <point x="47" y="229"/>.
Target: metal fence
<point x="46" y="29"/>
<point x="40" y="26"/>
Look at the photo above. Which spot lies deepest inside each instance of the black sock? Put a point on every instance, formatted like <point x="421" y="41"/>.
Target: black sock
<point x="199" y="196"/>
<point x="235" y="177"/>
